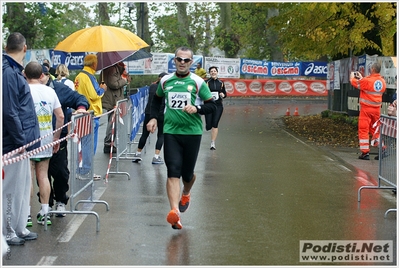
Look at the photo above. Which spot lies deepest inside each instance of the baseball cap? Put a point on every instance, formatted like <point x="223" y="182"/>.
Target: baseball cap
<point x="44" y="69"/>
<point x="162" y="74"/>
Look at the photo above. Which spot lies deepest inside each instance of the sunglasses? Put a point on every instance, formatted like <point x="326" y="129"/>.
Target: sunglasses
<point x="186" y="60"/>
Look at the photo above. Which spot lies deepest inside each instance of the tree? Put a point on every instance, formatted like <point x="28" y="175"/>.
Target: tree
<point x="225" y="37"/>
<point x="310" y="30"/>
<point x="183" y="24"/>
<point x="250" y="32"/>
<point x="16" y="19"/>
<point x="46" y="22"/>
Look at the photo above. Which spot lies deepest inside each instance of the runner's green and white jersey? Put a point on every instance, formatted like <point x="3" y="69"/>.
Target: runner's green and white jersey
<point x="179" y="92"/>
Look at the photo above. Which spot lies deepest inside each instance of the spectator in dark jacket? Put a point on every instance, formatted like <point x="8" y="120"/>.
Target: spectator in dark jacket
<point x="58" y="168"/>
<point x="115" y="81"/>
<point x="20" y="127"/>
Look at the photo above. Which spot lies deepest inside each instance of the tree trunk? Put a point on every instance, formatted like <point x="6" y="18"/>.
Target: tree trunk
<point x="103" y="16"/>
<point x="231" y="43"/>
<point x="183" y="25"/>
<point x="272" y="36"/>
<point x="143" y="27"/>
<point x="207" y="44"/>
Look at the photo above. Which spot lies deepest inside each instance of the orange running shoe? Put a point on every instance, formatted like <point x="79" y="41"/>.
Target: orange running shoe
<point x="174" y="219"/>
<point x="184" y="202"/>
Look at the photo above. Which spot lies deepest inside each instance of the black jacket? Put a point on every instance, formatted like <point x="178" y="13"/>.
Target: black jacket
<point x="215" y="85"/>
<point x="151" y="94"/>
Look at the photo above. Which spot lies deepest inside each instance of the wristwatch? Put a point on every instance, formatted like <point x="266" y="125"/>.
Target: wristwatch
<point x="198" y="108"/>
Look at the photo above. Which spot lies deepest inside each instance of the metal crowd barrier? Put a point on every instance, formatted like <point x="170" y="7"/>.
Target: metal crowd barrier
<point x="81" y="166"/>
<point x="120" y="127"/>
<point x="387" y="171"/>
<point x="138" y="115"/>
<point x="128" y="116"/>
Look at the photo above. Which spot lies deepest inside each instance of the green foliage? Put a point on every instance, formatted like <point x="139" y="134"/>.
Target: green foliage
<point x="340" y="117"/>
<point x="304" y="31"/>
<point x="166" y="26"/>
<point x="249" y="24"/>
<point x="325" y="113"/>
<point x="45" y="30"/>
<point x="311" y="30"/>
<point x="142" y="80"/>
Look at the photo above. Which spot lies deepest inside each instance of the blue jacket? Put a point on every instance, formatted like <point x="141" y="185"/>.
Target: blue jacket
<point x="20" y="124"/>
<point x="68" y="99"/>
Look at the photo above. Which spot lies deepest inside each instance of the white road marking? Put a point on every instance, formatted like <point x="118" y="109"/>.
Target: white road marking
<point x="344" y="168"/>
<point x="77" y="220"/>
<point x="47" y="261"/>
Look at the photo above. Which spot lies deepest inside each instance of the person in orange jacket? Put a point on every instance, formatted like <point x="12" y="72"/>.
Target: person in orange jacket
<point x="371" y="88"/>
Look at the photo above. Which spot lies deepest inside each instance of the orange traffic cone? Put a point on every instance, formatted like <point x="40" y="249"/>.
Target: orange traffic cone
<point x="287" y="113"/>
<point x="296" y="111"/>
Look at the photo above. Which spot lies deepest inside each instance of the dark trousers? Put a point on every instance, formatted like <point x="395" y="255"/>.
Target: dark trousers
<point x="212" y="120"/>
<point x="146" y="133"/>
<point x="58" y="170"/>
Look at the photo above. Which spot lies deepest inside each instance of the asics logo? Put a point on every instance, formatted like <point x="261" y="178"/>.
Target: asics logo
<point x="315" y="69"/>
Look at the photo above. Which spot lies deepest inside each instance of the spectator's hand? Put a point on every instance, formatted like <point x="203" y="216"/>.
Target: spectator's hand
<point x="81" y="111"/>
<point x="152" y="125"/>
<point x="221" y="94"/>
<point x="190" y="109"/>
<point x="103" y="86"/>
<point x="56" y="148"/>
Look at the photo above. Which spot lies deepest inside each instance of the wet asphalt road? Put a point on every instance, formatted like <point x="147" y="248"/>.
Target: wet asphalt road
<point x="260" y="193"/>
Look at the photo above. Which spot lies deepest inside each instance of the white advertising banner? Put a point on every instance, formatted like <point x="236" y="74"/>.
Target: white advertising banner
<point x="388" y="70"/>
<point x="228" y="68"/>
<point x="336" y="74"/>
<point x="157" y="64"/>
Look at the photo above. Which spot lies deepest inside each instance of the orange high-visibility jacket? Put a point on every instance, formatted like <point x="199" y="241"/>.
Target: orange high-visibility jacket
<point x="371" y="88"/>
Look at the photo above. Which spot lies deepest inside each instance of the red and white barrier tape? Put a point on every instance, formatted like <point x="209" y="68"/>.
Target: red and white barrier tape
<point x="22" y="148"/>
<point x="33" y="152"/>
<point x="112" y="147"/>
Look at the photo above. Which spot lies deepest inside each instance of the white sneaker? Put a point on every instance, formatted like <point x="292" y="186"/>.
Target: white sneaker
<point x="213" y="147"/>
<point x="157" y="160"/>
<point x="60" y="207"/>
<point x="136" y="158"/>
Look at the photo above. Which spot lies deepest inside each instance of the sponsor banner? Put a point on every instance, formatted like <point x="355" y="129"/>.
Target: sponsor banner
<point x="337" y="66"/>
<point x="74" y="61"/>
<point x="254" y="67"/>
<point x="228" y="68"/>
<point x="330" y="76"/>
<point x="138" y="67"/>
<point x="359" y="251"/>
<point x="362" y="65"/>
<point x="317" y="69"/>
<point x="266" y="87"/>
<point x="196" y="59"/>
<point x="158" y="63"/>
<point x="285" y="68"/>
<point x="36" y="55"/>
<point x="388" y="70"/>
